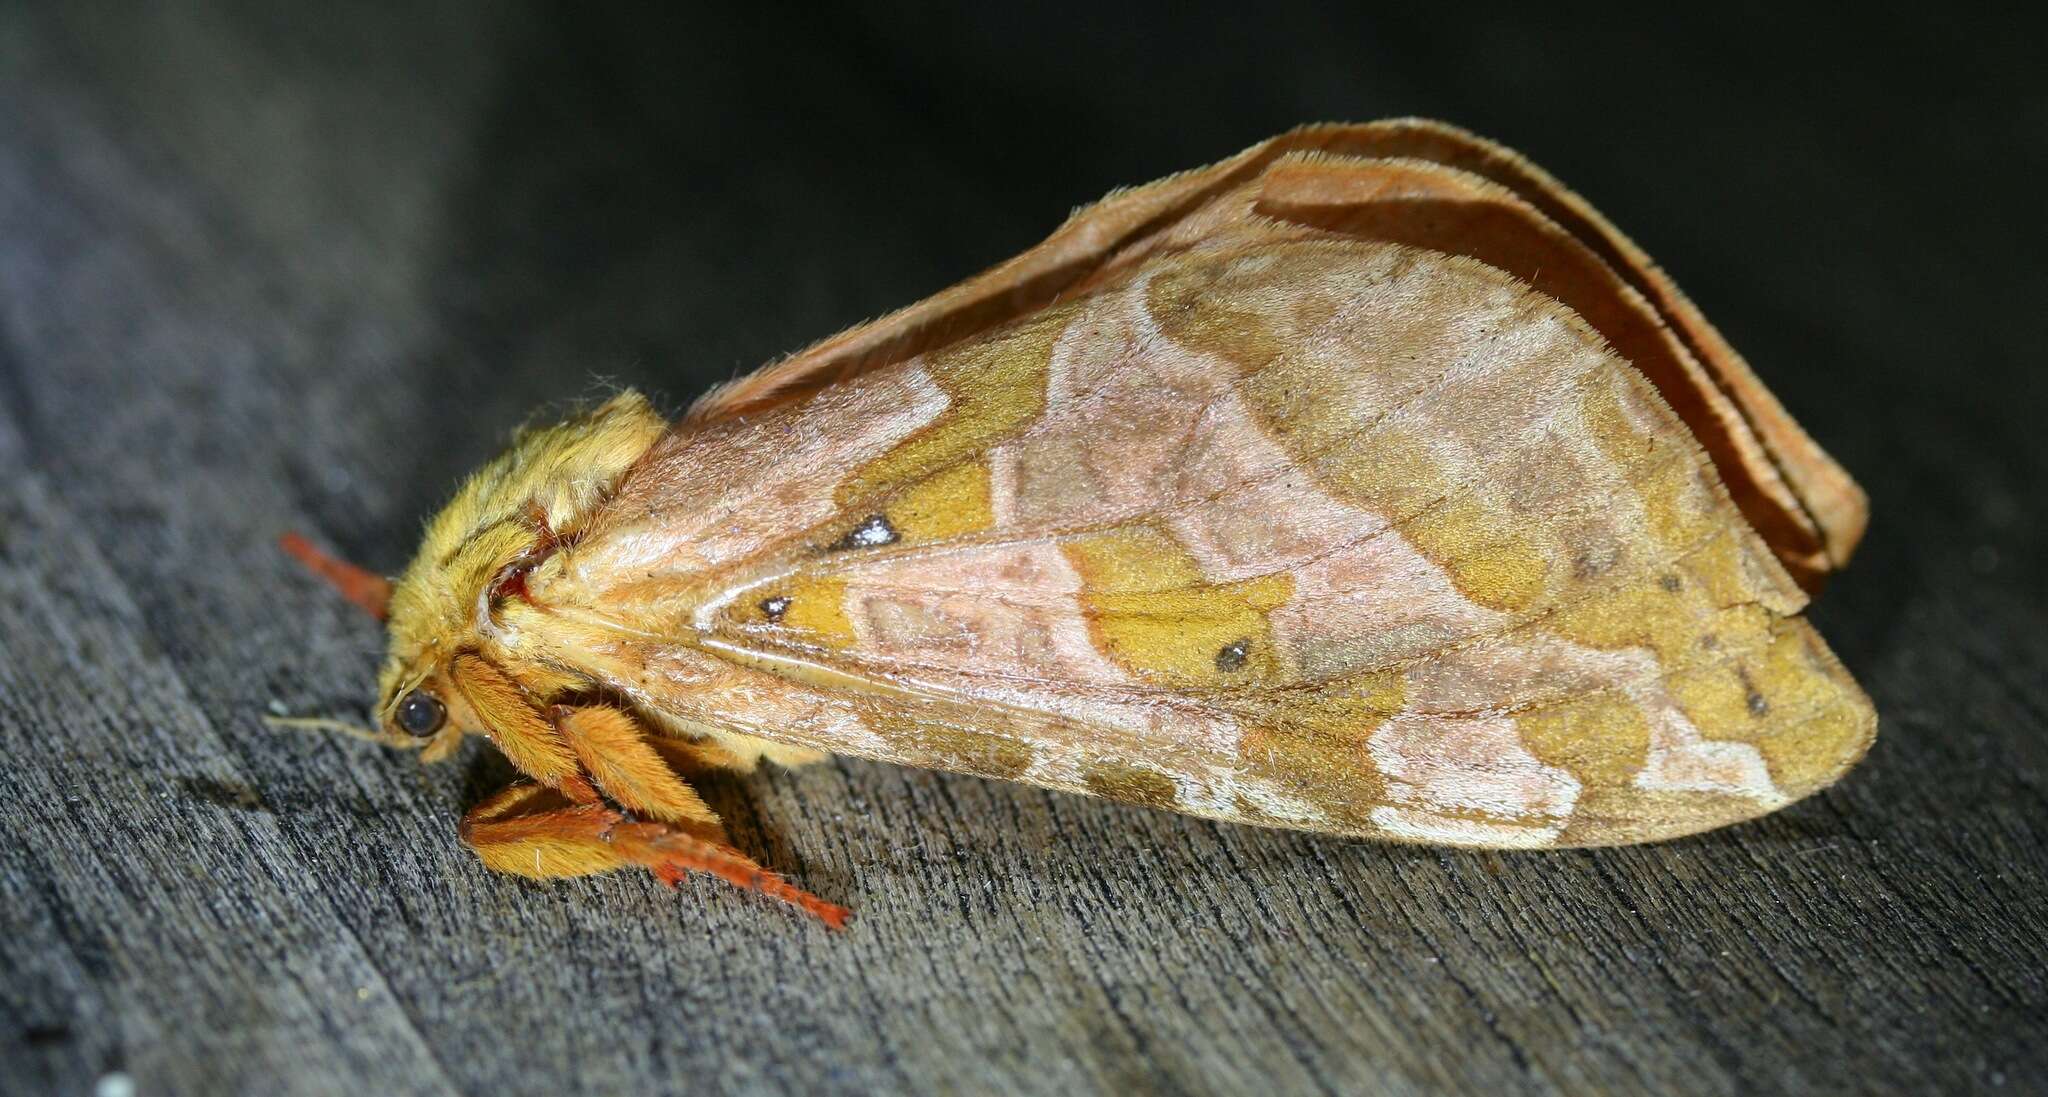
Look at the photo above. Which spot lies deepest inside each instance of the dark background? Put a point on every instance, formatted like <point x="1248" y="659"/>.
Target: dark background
<point x="267" y="267"/>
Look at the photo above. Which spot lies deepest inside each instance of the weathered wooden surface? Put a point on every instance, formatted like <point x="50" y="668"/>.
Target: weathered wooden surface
<point x="262" y="268"/>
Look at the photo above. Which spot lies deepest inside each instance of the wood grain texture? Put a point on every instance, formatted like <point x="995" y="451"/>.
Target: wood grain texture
<point x="261" y="272"/>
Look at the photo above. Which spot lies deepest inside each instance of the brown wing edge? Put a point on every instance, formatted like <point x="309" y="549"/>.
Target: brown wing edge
<point x="1804" y="504"/>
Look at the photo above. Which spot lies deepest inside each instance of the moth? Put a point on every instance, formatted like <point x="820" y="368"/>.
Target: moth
<point x="1367" y="482"/>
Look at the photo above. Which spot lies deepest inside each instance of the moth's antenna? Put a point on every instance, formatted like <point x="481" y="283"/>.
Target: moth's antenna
<point x="364" y="588"/>
<point x="340" y="727"/>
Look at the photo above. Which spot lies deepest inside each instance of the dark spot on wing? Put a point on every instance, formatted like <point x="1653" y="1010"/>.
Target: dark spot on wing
<point x="1755" y="700"/>
<point x="1593" y="562"/>
<point x="1233" y="655"/>
<point x="774" y="608"/>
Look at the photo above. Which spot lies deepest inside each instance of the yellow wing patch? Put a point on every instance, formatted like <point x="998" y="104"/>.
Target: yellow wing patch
<point x="995" y="386"/>
<point x="1491" y="563"/>
<point x="808" y="609"/>
<point x="1152" y="611"/>
<point x="949" y="503"/>
<point x="1789" y="698"/>
<point x="1603" y="740"/>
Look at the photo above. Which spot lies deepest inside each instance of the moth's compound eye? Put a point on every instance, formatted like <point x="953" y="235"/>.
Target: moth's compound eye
<point x="421" y="713"/>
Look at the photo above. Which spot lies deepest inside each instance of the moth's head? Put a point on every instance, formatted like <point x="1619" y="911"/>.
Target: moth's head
<point x="504" y="520"/>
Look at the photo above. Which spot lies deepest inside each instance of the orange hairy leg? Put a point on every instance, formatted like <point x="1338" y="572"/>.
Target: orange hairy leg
<point x="527" y="830"/>
<point x="509" y="720"/>
<point x="616" y="753"/>
<point x="559" y="825"/>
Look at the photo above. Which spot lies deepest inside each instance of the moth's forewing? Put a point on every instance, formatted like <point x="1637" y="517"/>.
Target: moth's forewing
<point x="1270" y="525"/>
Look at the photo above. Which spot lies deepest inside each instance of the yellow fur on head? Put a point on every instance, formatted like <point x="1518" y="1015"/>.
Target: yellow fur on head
<point x="561" y="471"/>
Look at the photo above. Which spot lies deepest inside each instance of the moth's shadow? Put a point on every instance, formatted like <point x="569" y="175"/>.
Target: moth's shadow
<point x="484" y="773"/>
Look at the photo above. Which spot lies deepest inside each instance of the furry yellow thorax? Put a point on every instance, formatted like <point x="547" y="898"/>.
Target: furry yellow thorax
<point x="558" y="473"/>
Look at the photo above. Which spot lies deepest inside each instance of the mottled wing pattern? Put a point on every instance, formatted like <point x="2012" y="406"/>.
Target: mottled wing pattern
<point x="1274" y="526"/>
